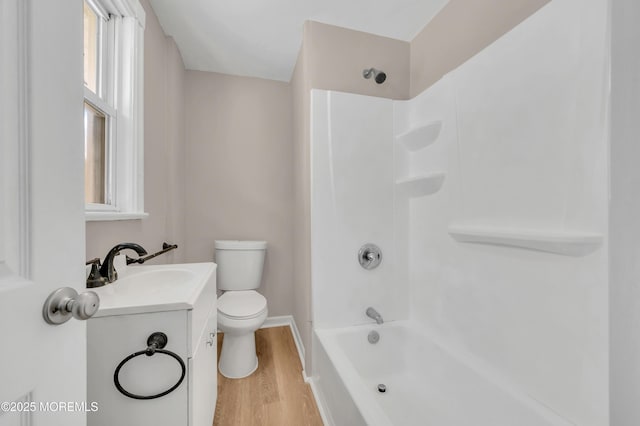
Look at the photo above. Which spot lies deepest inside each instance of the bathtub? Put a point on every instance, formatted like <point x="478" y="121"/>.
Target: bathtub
<point x="426" y="384"/>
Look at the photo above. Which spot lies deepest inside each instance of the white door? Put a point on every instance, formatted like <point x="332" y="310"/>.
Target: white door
<point x="41" y="210"/>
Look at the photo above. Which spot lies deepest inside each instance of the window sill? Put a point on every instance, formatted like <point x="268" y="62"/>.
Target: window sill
<point x="108" y="216"/>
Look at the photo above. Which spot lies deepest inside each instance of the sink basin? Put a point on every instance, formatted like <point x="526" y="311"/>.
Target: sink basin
<point x="154" y="288"/>
<point x="155" y="279"/>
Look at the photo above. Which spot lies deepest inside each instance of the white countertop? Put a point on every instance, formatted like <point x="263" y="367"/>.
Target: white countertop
<point x="154" y="288"/>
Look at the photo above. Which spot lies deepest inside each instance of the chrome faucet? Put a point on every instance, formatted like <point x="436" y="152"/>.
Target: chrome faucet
<point x="107" y="270"/>
<point x="372" y="313"/>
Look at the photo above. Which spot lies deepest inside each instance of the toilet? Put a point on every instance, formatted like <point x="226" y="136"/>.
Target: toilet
<point x="241" y="309"/>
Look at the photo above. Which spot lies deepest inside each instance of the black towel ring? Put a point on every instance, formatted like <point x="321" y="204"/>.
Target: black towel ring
<point x="155" y="344"/>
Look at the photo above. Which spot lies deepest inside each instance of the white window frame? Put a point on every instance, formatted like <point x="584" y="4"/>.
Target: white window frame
<point x="125" y="99"/>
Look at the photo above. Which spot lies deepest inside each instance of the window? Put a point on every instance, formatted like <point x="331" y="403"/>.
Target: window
<point x="113" y="95"/>
<point x="100" y="116"/>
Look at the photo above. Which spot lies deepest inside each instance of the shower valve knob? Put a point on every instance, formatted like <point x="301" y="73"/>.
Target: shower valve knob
<point x="369" y="256"/>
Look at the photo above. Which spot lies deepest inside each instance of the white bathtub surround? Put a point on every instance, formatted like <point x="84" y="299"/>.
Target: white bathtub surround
<point x="353" y="204"/>
<point x="527" y="182"/>
<point x="491" y="203"/>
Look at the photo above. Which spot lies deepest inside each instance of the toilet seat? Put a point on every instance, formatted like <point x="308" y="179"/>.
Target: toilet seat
<point x="245" y="304"/>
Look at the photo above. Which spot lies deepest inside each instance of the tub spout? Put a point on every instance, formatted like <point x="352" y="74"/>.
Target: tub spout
<point x="372" y="313"/>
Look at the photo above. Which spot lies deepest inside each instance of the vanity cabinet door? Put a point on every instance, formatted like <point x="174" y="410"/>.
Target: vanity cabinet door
<point x="203" y="376"/>
<point x="110" y="340"/>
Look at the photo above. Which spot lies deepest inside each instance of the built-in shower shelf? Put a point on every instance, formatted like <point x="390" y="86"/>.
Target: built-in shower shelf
<point x="417" y="186"/>
<point x="421" y="136"/>
<point x="569" y="243"/>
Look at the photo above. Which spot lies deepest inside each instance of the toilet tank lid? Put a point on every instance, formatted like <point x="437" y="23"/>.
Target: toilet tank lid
<point x="240" y="245"/>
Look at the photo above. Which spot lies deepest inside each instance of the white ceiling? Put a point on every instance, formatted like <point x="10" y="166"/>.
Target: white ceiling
<point x="261" y="38"/>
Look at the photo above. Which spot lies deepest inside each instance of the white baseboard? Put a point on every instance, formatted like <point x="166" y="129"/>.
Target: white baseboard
<point x="326" y="419"/>
<point x="287" y="320"/>
<point x="280" y="321"/>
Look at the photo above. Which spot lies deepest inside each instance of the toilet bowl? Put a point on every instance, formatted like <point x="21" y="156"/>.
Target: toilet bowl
<point x="241" y="309"/>
<point x="240" y="314"/>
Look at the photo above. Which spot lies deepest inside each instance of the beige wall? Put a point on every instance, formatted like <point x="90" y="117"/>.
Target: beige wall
<point x="301" y="203"/>
<point x="459" y="31"/>
<point x="164" y="155"/>
<point x="240" y="173"/>
<point x="337" y="56"/>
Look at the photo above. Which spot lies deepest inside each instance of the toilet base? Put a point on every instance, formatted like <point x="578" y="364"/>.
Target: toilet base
<point x="238" y="356"/>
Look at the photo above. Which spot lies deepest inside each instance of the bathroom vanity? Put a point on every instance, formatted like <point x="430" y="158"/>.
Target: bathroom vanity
<point x="178" y="301"/>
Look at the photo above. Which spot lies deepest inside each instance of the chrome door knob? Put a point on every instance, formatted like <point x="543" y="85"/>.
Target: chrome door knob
<point x="65" y="303"/>
<point x="85" y="305"/>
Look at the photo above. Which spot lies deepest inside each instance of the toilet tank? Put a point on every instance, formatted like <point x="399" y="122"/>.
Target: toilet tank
<point x="240" y="264"/>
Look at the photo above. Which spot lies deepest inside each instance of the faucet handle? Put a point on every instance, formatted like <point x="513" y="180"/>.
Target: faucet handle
<point x="131" y="260"/>
<point x="94" y="261"/>
<point x="95" y="279"/>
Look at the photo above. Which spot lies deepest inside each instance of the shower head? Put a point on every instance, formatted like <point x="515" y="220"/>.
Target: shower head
<point x="378" y="75"/>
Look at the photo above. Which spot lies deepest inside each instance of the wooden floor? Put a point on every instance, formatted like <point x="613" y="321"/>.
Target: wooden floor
<point x="275" y="394"/>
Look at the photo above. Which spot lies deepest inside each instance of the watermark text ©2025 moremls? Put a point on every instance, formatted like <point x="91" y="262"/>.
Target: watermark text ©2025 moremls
<point x="49" y="406"/>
